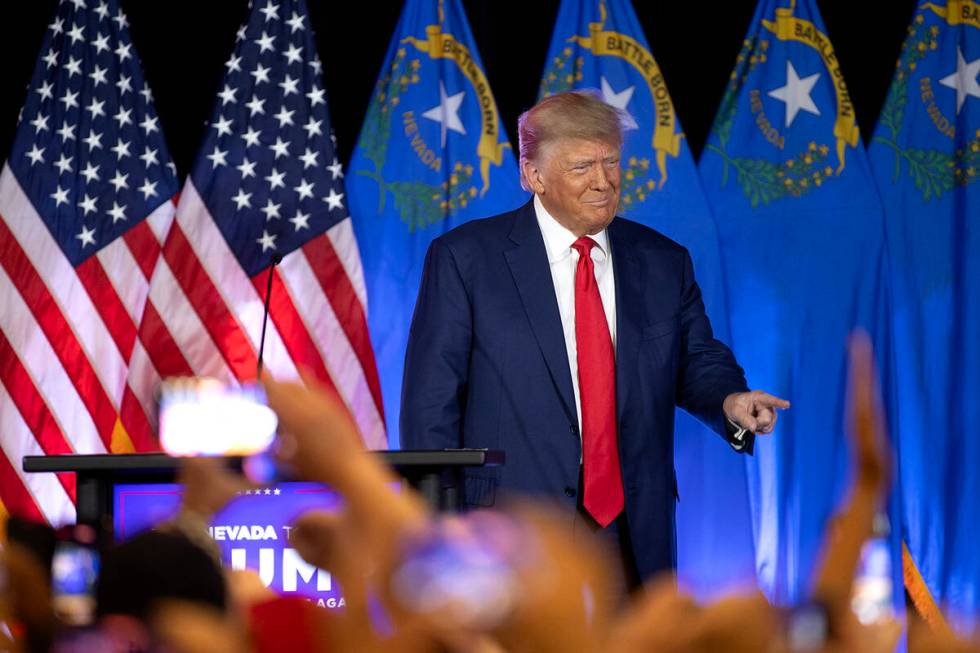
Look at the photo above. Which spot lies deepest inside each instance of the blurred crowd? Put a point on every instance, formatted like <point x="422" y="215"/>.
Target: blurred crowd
<point x="510" y="579"/>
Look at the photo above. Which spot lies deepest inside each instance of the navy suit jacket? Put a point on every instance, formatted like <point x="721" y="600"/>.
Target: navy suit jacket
<point x="486" y="366"/>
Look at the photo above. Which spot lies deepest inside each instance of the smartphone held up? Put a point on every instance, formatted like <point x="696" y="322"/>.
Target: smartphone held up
<point x="202" y="416"/>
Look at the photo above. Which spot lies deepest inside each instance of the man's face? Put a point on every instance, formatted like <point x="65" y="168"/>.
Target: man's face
<point x="578" y="183"/>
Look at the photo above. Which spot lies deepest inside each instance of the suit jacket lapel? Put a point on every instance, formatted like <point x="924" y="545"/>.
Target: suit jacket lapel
<point x="629" y="312"/>
<point x="528" y="262"/>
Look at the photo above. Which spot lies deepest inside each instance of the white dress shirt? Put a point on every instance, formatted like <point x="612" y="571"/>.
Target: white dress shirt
<point x="563" y="261"/>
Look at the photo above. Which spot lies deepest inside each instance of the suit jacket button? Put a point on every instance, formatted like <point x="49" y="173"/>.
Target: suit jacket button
<point x="569" y="492"/>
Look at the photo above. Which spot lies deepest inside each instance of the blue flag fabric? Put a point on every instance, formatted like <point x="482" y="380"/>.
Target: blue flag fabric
<point x="432" y="154"/>
<point x="803" y="248"/>
<point x="599" y="44"/>
<point x="925" y="154"/>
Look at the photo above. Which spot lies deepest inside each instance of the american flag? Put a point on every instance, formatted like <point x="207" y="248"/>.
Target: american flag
<point x="85" y="201"/>
<point x="266" y="183"/>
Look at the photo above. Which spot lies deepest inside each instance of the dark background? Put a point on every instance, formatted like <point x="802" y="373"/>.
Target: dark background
<point x="184" y="43"/>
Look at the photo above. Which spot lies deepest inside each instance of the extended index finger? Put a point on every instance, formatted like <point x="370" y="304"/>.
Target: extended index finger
<point x="770" y="401"/>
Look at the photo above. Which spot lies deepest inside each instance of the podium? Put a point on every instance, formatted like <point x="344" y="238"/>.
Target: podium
<point x="437" y="475"/>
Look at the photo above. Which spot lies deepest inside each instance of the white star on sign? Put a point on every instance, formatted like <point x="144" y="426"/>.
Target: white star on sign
<point x="268" y="241"/>
<point x="447" y="112"/>
<point x="620" y="101"/>
<point x="964" y="80"/>
<point x="87" y="236"/>
<point x="334" y="200"/>
<point x="796" y="93"/>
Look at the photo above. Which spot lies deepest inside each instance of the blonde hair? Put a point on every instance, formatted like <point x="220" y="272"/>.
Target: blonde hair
<point x="570" y="115"/>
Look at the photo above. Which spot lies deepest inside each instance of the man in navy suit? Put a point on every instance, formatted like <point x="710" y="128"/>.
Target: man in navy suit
<point x="565" y="336"/>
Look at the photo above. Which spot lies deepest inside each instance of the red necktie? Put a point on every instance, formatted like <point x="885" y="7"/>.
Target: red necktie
<point x="603" y="491"/>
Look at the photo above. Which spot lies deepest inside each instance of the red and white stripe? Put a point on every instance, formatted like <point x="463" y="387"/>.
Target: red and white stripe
<point x="66" y="339"/>
<point x="204" y="314"/>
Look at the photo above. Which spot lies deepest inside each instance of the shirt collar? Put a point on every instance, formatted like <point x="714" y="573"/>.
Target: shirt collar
<point x="557" y="239"/>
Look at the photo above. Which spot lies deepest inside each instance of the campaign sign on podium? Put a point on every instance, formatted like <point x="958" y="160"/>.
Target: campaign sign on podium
<point x="252" y="531"/>
<point x="136" y="491"/>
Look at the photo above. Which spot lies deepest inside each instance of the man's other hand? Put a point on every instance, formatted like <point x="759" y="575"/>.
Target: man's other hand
<point x="755" y="410"/>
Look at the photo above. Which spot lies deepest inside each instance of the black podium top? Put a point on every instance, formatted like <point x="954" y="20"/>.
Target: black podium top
<point x="436" y="474"/>
<point x="161" y="462"/>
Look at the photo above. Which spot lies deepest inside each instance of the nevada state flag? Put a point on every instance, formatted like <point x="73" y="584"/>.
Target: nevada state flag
<point x="925" y="154"/>
<point x="598" y="44"/>
<point x="804" y="254"/>
<point x="432" y="154"/>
